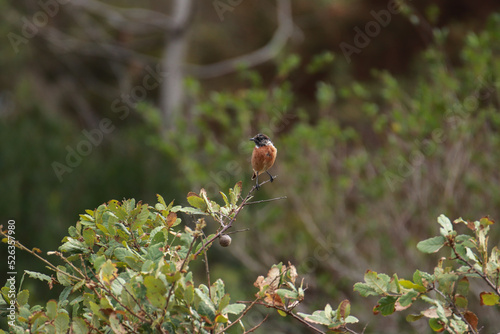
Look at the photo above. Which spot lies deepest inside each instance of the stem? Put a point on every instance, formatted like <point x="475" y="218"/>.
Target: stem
<point x="257" y="326"/>
<point x="207" y="269"/>
<point x="266" y="200"/>
<point x="455" y="310"/>
<point x="242" y="315"/>
<point x="296" y="317"/>
<point x="182" y="267"/>
<point x="483" y="276"/>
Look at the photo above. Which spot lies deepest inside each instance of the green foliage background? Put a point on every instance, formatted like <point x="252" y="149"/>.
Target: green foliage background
<point x="368" y="153"/>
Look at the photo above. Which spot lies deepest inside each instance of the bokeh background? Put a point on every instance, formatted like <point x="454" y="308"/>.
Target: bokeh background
<point x="385" y="115"/>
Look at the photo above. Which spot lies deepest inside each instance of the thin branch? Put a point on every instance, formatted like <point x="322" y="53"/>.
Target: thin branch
<point x="296" y="317"/>
<point x="455" y="310"/>
<point x="483" y="276"/>
<point x="123" y="18"/>
<point x="242" y="314"/>
<point x="182" y="266"/>
<point x="266" y="200"/>
<point x="237" y="231"/>
<point x="257" y="57"/>
<point x="257" y="326"/>
<point x="207" y="269"/>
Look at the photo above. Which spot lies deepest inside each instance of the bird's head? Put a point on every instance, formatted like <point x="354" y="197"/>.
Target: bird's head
<point x="261" y="140"/>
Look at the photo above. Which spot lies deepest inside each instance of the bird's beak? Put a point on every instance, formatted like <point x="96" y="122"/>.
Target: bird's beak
<point x="252" y="139"/>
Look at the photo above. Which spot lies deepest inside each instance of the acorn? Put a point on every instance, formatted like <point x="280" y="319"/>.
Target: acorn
<point x="224" y="240"/>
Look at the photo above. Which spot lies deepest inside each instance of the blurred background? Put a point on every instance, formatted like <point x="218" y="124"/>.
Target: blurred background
<point x="385" y="115"/>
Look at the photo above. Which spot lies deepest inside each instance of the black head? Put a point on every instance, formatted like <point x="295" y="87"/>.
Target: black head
<point x="261" y="140"/>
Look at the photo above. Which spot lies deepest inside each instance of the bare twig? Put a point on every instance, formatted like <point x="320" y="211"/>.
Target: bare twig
<point x="257" y="326"/>
<point x="266" y="200"/>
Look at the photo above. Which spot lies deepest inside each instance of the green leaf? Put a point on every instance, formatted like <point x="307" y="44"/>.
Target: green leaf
<point x="162" y="202"/>
<point x="22" y="297"/>
<point x="351" y="320"/>
<point x="233" y="309"/>
<point x="284" y="293"/>
<point x="188" y="210"/>
<point x="224" y="301"/>
<point x="61" y="323"/>
<point x="155" y="291"/>
<point x="408" y="298"/>
<point x="51" y="309"/>
<point x="235" y="193"/>
<point x="196" y="201"/>
<point x="39" y="276"/>
<point x="410" y="285"/>
<point x="489" y="298"/>
<point x="463" y="286"/>
<point x="318" y="317"/>
<point x="386" y="305"/>
<point x="431" y="245"/>
<point x="447" y="227"/>
<point x="79" y="326"/>
<point x="413" y="317"/>
<point x="485" y="221"/>
<point x="436" y="325"/>
<point x="224" y="197"/>
<point x="98" y="262"/>
<point x="89" y="237"/>
<point x="461" y="301"/>
<point x="78" y="285"/>
<point x="205" y="306"/>
<point x="282" y="313"/>
<point x="63" y="279"/>
<point x="72" y="245"/>
<point x="375" y="284"/>
<point x="221" y="319"/>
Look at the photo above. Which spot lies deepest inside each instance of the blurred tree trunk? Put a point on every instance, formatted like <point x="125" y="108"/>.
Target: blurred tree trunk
<point x="172" y="92"/>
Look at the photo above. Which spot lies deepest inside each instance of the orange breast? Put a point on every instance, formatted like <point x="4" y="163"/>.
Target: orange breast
<point x="263" y="158"/>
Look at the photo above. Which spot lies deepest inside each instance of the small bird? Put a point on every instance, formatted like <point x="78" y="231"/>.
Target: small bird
<point x="263" y="156"/>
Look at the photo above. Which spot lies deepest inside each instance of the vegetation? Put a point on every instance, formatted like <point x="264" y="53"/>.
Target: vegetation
<point x="127" y="270"/>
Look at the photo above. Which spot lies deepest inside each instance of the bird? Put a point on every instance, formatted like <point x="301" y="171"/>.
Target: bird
<point x="263" y="157"/>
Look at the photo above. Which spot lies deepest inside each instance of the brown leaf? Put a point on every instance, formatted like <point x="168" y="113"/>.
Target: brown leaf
<point x="273" y="299"/>
<point x="171" y="218"/>
<point x="192" y="194"/>
<point x="471" y="319"/>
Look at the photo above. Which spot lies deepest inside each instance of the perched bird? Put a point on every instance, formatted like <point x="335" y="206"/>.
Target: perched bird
<point x="263" y="156"/>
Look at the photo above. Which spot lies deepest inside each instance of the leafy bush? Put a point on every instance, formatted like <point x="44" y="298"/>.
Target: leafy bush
<point x="446" y="290"/>
<point x="127" y="270"/>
